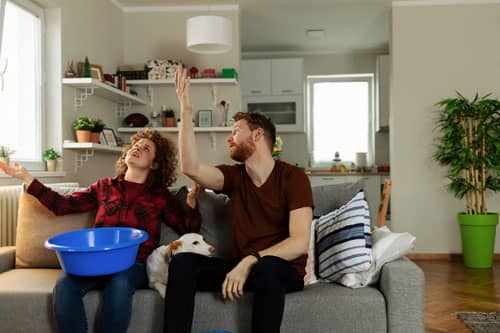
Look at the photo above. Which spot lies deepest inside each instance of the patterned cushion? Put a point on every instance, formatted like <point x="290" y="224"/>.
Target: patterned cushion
<point x="343" y="240"/>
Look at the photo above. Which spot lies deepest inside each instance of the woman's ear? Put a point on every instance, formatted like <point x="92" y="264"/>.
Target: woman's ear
<point x="154" y="166"/>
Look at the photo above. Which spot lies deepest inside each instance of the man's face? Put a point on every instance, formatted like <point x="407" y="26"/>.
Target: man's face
<point x="241" y="144"/>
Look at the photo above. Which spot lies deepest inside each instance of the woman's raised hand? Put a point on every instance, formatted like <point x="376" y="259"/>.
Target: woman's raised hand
<point x="192" y="196"/>
<point x="17" y="171"/>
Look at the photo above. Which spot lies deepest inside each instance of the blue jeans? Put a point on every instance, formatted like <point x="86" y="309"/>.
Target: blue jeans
<point x="117" y="299"/>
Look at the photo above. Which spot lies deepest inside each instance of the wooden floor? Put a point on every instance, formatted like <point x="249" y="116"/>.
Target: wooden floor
<point x="450" y="287"/>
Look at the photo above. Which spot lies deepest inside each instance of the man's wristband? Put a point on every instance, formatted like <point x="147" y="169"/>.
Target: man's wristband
<point x="256" y="255"/>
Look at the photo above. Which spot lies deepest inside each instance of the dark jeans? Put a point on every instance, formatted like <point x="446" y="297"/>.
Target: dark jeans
<point x="270" y="279"/>
<point x="117" y="299"/>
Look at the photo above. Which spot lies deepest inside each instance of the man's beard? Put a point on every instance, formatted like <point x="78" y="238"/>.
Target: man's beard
<point x="241" y="152"/>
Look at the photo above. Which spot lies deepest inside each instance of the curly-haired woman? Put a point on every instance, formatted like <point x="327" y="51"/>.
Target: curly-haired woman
<point x="137" y="197"/>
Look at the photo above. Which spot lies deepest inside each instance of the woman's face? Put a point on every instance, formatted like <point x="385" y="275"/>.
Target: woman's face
<point x="141" y="155"/>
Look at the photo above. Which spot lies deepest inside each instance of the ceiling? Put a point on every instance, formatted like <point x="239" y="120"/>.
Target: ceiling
<point x="279" y="26"/>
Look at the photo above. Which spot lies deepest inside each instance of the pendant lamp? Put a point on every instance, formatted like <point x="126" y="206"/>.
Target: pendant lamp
<point x="208" y="34"/>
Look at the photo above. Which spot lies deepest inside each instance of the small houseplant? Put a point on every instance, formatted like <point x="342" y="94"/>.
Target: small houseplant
<point x="83" y="127"/>
<point x="97" y="127"/>
<point x="5" y="153"/>
<point x="169" y="116"/>
<point x="50" y="156"/>
<point x="277" y="148"/>
<point x="469" y="147"/>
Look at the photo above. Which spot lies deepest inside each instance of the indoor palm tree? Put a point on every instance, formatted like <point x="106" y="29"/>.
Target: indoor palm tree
<point x="469" y="146"/>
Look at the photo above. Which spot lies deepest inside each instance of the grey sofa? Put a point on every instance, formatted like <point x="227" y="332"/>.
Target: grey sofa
<point x="395" y="305"/>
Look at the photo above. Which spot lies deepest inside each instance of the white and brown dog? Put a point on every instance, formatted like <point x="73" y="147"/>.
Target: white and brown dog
<point x="158" y="260"/>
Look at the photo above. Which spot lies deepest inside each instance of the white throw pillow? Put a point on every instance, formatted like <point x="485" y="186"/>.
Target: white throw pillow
<point x="387" y="246"/>
<point x="310" y="276"/>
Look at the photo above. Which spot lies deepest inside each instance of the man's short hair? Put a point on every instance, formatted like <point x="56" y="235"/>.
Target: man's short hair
<point x="256" y="120"/>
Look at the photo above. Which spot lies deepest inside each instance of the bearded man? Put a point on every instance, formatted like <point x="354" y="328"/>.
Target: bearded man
<point x="272" y="214"/>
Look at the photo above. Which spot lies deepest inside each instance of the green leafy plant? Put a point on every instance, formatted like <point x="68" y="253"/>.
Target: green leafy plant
<point x="6" y="151"/>
<point x="168" y="112"/>
<point x="83" y="124"/>
<point x="50" y="154"/>
<point x="469" y="146"/>
<point x="98" y="125"/>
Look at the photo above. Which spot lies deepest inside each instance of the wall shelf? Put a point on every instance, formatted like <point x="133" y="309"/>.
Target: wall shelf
<point x="212" y="83"/>
<point x="86" y="87"/>
<point x="170" y="82"/>
<point x="176" y="129"/>
<point x="87" y="149"/>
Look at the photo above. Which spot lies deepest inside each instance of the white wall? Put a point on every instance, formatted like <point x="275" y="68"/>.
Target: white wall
<point x="436" y="50"/>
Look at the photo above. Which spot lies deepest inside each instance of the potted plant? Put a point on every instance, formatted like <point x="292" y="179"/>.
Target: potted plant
<point x="97" y="128"/>
<point x="83" y="127"/>
<point x="469" y="147"/>
<point x="5" y="153"/>
<point x="169" y="116"/>
<point x="50" y="156"/>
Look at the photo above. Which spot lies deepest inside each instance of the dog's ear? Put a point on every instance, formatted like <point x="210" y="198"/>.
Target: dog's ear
<point x="172" y="247"/>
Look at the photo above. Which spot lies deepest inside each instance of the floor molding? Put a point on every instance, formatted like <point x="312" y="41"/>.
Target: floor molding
<point x="443" y="256"/>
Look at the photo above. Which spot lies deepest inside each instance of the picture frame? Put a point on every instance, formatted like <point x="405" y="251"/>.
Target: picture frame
<point x="96" y="71"/>
<point x="205" y="118"/>
<point x="108" y="137"/>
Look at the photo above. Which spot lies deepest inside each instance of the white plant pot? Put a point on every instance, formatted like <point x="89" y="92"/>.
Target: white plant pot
<point x="51" y="165"/>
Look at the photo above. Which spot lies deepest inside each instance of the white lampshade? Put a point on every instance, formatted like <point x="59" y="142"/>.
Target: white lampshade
<point x="209" y="34"/>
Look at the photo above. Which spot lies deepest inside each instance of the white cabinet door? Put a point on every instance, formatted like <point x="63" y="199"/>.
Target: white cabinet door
<point x="383" y="92"/>
<point x="255" y="77"/>
<point x="287" y="76"/>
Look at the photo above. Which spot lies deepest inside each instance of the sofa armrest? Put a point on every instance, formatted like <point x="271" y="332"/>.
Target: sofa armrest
<point x="403" y="284"/>
<point x="7" y="258"/>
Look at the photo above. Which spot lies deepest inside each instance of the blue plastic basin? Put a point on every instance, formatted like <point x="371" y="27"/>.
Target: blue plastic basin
<point x="97" y="251"/>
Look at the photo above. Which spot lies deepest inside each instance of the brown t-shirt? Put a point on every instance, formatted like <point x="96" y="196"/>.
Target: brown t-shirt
<point x="261" y="214"/>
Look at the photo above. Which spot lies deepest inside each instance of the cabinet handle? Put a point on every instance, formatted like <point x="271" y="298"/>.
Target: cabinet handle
<point x="255" y="91"/>
<point x="287" y="91"/>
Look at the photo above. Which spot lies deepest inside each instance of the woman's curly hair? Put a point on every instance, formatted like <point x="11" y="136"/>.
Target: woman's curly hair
<point x="166" y="157"/>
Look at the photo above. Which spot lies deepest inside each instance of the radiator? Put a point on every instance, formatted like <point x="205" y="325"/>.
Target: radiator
<point x="9" y="204"/>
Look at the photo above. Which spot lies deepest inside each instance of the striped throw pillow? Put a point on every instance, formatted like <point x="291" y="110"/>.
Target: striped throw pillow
<point x="343" y="240"/>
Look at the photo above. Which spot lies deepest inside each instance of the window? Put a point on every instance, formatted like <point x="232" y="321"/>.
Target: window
<point x="340" y="117"/>
<point x="21" y="98"/>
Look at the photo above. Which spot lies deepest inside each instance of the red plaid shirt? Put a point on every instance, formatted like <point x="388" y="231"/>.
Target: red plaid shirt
<point x="146" y="211"/>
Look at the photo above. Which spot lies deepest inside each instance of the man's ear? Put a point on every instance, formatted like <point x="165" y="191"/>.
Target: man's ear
<point x="258" y="134"/>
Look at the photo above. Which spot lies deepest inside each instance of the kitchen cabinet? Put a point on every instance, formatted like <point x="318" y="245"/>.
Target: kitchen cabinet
<point x="372" y="186"/>
<point x="274" y="87"/>
<point x="264" y="77"/>
<point x="382" y="88"/>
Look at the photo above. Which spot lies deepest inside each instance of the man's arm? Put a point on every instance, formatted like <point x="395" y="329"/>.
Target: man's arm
<point x="206" y="175"/>
<point x="297" y="244"/>
<point x="294" y="246"/>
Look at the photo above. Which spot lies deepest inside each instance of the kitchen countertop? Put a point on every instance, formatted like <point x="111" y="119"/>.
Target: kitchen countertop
<point x="324" y="172"/>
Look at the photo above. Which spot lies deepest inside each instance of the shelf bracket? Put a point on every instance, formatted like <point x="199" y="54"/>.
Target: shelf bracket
<point x="81" y="158"/>
<point x="121" y="108"/>
<point x="213" y="89"/>
<point x="81" y="96"/>
<point x="213" y="140"/>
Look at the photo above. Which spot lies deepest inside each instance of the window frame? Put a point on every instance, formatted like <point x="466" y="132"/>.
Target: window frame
<point x="38" y="164"/>
<point x="361" y="77"/>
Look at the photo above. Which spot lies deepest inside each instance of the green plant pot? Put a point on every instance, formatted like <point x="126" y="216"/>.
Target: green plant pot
<point x="478" y="238"/>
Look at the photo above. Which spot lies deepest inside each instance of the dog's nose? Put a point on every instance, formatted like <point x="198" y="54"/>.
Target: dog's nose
<point x="211" y="249"/>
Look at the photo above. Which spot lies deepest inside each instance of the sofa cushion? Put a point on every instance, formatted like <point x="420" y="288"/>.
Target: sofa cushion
<point x="331" y="196"/>
<point x="35" y="224"/>
<point x="343" y="240"/>
<point x="216" y="226"/>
